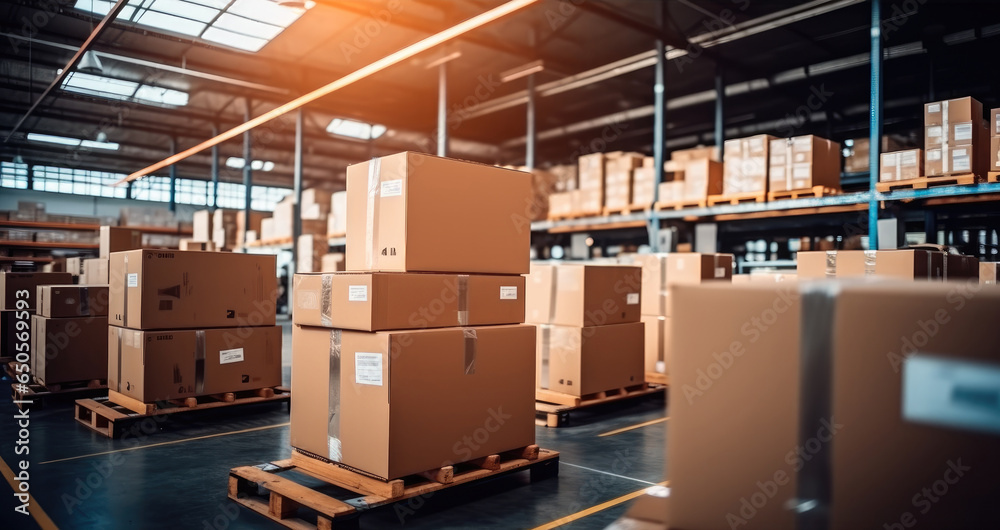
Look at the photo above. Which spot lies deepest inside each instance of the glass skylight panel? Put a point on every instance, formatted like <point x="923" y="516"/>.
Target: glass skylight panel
<point x="173" y="23"/>
<point x="234" y="40"/>
<point x="166" y="96"/>
<point x="245" y="26"/>
<point x="186" y="9"/>
<point x="265" y="11"/>
<point x="107" y="87"/>
<point x="355" y="129"/>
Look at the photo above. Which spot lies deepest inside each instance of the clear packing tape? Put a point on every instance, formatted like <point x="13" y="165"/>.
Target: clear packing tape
<point x="335" y="452"/>
<point x="371" y="213"/>
<point x="871" y="263"/>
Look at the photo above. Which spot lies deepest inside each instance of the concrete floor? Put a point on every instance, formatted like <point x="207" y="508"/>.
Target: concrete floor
<point x="176" y="477"/>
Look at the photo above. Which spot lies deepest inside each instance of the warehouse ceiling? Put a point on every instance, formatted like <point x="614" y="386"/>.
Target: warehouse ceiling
<point x="789" y="67"/>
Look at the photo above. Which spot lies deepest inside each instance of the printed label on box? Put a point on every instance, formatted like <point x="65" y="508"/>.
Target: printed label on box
<point x="508" y="292"/>
<point x="357" y="293"/>
<point x="231" y="356"/>
<point x="368" y="368"/>
<point x="961" y="163"/>
<point x="934" y="108"/>
<point x="934" y="132"/>
<point x="963" y="131"/>
<point x="801" y="172"/>
<point x="632" y="299"/>
<point x="720" y="272"/>
<point x="909" y="158"/>
<point x="934" y="154"/>
<point x="133" y="280"/>
<point x="392" y="188"/>
<point x="951" y="393"/>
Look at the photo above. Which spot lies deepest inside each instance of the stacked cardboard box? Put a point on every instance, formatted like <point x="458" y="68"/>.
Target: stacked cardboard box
<point x="69" y="335"/>
<point x="590" y="338"/>
<point x="901" y="165"/>
<point x="29" y="211"/>
<point x="955" y="138"/>
<point x="644" y="184"/>
<point x="73" y="266"/>
<point x="186" y="324"/>
<point x="311" y="250"/>
<point x="589" y="198"/>
<point x="563" y="204"/>
<point x="224" y="228"/>
<point x="862" y="388"/>
<point x="144" y="216"/>
<point x="337" y="221"/>
<point x="915" y="264"/>
<point x="279" y="226"/>
<point x="746" y="165"/>
<point x="994" y="152"/>
<point x="618" y="168"/>
<point x="691" y="175"/>
<point x="803" y="162"/>
<point x="858" y="152"/>
<point x="95" y="271"/>
<point x="989" y="272"/>
<point x="18" y="302"/>
<point x="332" y="262"/>
<point x="116" y="239"/>
<point x="434" y="295"/>
<point x="192" y="244"/>
<point x="660" y="272"/>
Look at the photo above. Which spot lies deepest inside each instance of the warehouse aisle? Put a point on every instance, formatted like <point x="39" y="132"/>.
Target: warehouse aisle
<point x="82" y="480"/>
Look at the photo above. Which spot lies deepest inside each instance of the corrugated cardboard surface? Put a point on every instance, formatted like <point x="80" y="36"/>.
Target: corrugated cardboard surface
<point x="69" y="350"/>
<point x="803" y="162"/>
<point x="66" y="301"/>
<point x="654" y="283"/>
<point x="580" y="361"/>
<point x="9" y="343"/>
<point x="393" y="301"/>
<point x="117" y="239"/>
<point x="901" y="165"/>
<point x="900" y="264"/>
<point x="988" y="272"/>
<point x="746" y="161"/>
<point x="178" y="289"/>
<point x="425" y="408"/>
<point x="584" y="295"/>
<point x="18" y="286"/>
<point x="437" y="215"/>
<point x="657" y="347"/>
<point x="95" y="271"/>
<point x="702" y="178"/>
<point x="158" y="365"/>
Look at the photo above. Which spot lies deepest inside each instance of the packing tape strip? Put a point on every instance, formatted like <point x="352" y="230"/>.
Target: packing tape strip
<point x="199" y="362"/>
<point x="543" y="373"/>
<point x="371" y="217"/>
<point x="326" y="301"/>
<point x="118" y="376"/>
<point x="471" y="340"/>
<point x="664" y="292"/>
<point x="831" y="263"/>
<point x="871" y="260"/>
<point x="124" y="285"/>
<point x="334" y="450"/>
<point x="463" y="299"/>
<point x="84" y="301"/>
<point x="553" y="292"/>
<point x="944" y="266"/>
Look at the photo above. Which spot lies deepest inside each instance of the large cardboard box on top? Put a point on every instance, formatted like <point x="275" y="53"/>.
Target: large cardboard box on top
<point x="173" y="364"/>
<point x="398" y="403"/>
<point x="899" y="264"/>
<point x="412" y="212"/>
<point x="67" y="350"/>
<point x="661" y="270"/>
<point x="95" y="271"/>
<point x="117" y="239"/>
<point x="153" y="289"/>
<point x="68" y="301"/>
<point x="381" y="301"/>
<point x="570" y="294"/>
<point x="580" y="361"/>
<point x="18" y="290"/>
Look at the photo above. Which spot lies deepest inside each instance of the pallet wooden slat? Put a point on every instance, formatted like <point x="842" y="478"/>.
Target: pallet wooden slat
<point x="680" y="205"/>
<point x="815" y="191"/>
<point x="657" y="378"/>
<point x="737" y="198"/>
<point x="923" y="183"/>
<point x="553" y="408"/>
<point x="993" y="176"/>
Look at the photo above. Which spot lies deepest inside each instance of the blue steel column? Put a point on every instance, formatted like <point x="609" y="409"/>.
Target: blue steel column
<point x="659" y="107"/>
<point x="247" y="173"/>
<point x="875" y="109"/>
<point x="173" y="177"/>
<point x="532" y="137"/>
<point x="720" y="116"/>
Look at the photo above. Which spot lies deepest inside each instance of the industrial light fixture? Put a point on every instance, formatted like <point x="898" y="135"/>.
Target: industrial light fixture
<point x="296" y="4"/>
<point x="18" y="159"/>
<point x="355" y="129"/>
<point x="72" y="142"/>
<point x="102" y="137"/>
<point x="256" y="165"/>
<point x="90" y="64"/>
<point x="522" y="71"/>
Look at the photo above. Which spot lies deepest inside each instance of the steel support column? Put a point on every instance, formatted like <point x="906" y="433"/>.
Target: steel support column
<point x="247" y="172"/>
<point x="215" y="172"/>
<point x="659" y="138"/>
<point x="532" y="137"/>
<point x="297" y="187"/>
<point x="875" y="111"/>
<point x="442" y="114"/>
<point x="173" y="178"/>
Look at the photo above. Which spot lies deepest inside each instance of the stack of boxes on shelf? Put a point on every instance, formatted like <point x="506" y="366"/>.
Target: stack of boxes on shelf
<point x="857" y="152"/>
<point x="912" y="264"/>
<point x="955" y="138"/>
<point x="189" y="324"/>
<point x="18" y="303"/>
<point x="746" y="167"/>
<point x="644" y="184"/>
<point x="901" y="165"/>
<point x="692" y="175"/>
<point x="588" y="199"/>
<point x="224" y="229"/>
<point x="423" y="339"/>
<point x="803" y="162"/>
<point x="69" y="335"/>
<point x="994" y="153"/>
<point x="112" y="239"/>
<point x="563" y="193"/>
<point x="590" y="338"/>
<point x="316" y="205"/>
<point x="313" y="256"/>
<point x="619" y="180"/>
<point x="336" y="223"/>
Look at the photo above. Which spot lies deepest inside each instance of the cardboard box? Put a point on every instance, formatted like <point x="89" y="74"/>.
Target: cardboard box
<point x="746" y="162"/>
<point x="994" y="122"/>
<point x="116" y="239"/>
<point x="70" y="301"/>
<point x="67" y="350"/>
<point x="175" y="289"/>
<point x="589" y="201"/>
<point x="191" y="244"/>
<point x="388" y="422"/>
<point x="432" y="214"/>
<point x="561" y="204"/>
<point x="95" y="271"/>
<point x="622" y="162"/>
<point x="386" y="301"/>
<point x="988" y="272"/>
<point x="18" y="289"/>
<point x="316" y="203"/>
<point x="570" y="294"/>
<point x="657" y="343"/>
<point x="655" y="293"/>
<point x="672" y="191"/>
<point x="202" y="226"/>
<point x="803" y="162"/>
<point x="618" y="190"/>
<point x="74" y="266"/>
<point x="581" y="361"/>
<point x="692" y="268"/>
<point x="174" y="364"/>
<point x="901" y="165"/>
<point x="900" y="264"/>
<point x="958" y="267"/>
<point x="952" y="111"/>
<point x="994" y="153"/>
<point x="337" y="221"/>
<point x="702" y="178"/>
<point x="696" y="153"/>
<point x="311" y="251"/>
<point x="643" y="187"/>
<point x="332" y="262"/>
<point x="859" y="152"/>
<point x="15" y="335"/>
<point x="591" y="171"/>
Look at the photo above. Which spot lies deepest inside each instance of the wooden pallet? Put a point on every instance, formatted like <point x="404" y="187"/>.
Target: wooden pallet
<point x="575" y="215"/>
<point x="626" y="211"/>
<point x="815" y="191"/>
<point x="270" y="242"/>
<point x="993" y="176"/>
<point x="552" y="408"/>
<point x="10" y="369"/>
<point x="656" y="378"/>
<point x="923" y="183"/>
<point x="292" y="504"/>
<point x="35" y="395"/>
<point x="336" y="236"/>
<point x="110" y="416"/>
<point x="737" y="198"/>
<point x="680" y="205"/>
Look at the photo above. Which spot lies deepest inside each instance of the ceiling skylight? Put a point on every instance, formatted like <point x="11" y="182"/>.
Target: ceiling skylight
<point x="242" y="24"/>
<point x="72" y="142"/>
<point x="355" y="129"/>
<point x="256" y="165"/>
<point x="106" y="87"/>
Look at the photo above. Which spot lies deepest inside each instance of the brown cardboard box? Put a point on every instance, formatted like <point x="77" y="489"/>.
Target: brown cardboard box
<point x="696" y="153"/>
<point x="388" y="421"/>
<point x="859" y="150"/>
<point x="202" y="225"/>
<point x="650" y="511"/>
<point x="702" y="178"/>
<point x="803" y="162"/>
<point x="191" y="244"/>
<point x="655" y="294"/>
<point x="901" y="165"/>
<point x="367" y="301"/>
<point x="672" y="191"/>
<point x="591" y="171"/>
<point x="688" y="268"/>
<point x="643" y="187"/>
<point x="960" y="268"/>
<point x="953" y="111"/>
<point x="160" y="365"/>
<point x="746" y="164"/>
<point x="657" y="342"/>
<point x="69" y="301"/>
<point x="582" y="361"/>
<point x="994" y="123"/>
<point x="583" y="295"/>
<point x="561" y="204"/>
<point x="116" y="239"/>
<point x="95" y="271"/>
<point x="618" y="189"/>
<point x="900" y="264"/>
<point x="74" y="266"/>
<point x="256" y="218"/>
<point x="316" y="203"/>
<point x="622" y="162"/>
<point x="337" y="222"/>
<point x="15" y="339"/>
<point x="588" y="201"/>
<point x="432" y="214"/>
<point x="332" y="262"/>
<point x="311" y="251"/>
<point x="175" y="289"/>
<point x="67" y="350"/>
<point x="18" y="289"/>
<point x="988" y="272"/>
<point x="994" y="153"/>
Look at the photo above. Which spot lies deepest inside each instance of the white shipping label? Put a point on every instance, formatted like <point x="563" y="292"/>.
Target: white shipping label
<point x="951" y="392"/>
<point x="720" y="272"/>
<point x="632" y="299"/>
<point x="934" y="132"/>
<point x="934" y="155"/>
<point x="909" y="158"/>
<point x="961" y="163"/>
<point x="392" y="188"/>
<point x="996" y="126"/>
<point x="963" y="131"/>
<point x="508" y="292"/>
<point x="133" y="280"/>
<point x="801" y="172"/>
<point x="357" y="293"/>
<point x="368" y="368"/>
<point x="934" y="108"/>
<point x="231" y="356"/>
